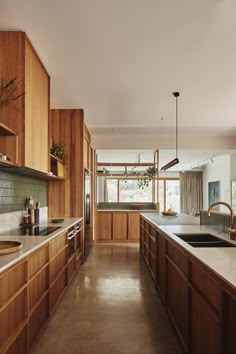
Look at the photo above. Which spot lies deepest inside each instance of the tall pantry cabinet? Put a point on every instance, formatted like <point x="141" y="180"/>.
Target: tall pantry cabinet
<point x="28" y="116"/>
<point x="66" y="197"/>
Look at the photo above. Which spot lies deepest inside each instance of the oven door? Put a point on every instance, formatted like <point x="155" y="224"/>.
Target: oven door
<point x="71" y="242"/>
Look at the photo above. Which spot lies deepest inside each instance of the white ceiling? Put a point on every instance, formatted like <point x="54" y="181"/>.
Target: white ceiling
<point x="120" y="60"/>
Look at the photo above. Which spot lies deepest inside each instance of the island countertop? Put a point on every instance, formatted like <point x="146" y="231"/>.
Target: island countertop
<point x="179" y="219"/>
<point x="222" y="261"/>
<point x="32" y="243"/>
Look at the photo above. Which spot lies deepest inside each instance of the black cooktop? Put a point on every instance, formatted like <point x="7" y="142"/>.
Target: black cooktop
<point x="32" y="231"/>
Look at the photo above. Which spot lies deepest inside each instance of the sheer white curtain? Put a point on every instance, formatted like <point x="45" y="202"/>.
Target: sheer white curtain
<point x="191" y="192"/>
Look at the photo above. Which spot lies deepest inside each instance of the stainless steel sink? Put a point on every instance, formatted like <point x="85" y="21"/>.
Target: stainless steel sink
<point x="204" y="240"/>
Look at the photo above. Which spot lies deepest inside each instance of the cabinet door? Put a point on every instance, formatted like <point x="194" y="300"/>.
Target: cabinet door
<point x="36" y="112"/>
<point x="205" y="327"/>
<point x="161" y="265"/>
<point x="104" y="226"/>
<point x="177" y="301"/>
<point x="120" y="226"/>
<point x="228" y="322"/>
<point x="133" y="226"/>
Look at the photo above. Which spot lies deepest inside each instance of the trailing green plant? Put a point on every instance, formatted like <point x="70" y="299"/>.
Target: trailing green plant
<point x="9" y="91"/>
<point x="149" y="174"/>
<point x="58" y="151"/>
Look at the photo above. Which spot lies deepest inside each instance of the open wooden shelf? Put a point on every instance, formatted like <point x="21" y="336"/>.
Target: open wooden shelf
<point x="5" y="131"/>
<point x="57" y="167"/>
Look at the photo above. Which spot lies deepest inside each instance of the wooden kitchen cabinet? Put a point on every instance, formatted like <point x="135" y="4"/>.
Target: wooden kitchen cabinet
<point x="205" y="326"/>
<point x="177" y="291"/>
<point x="161" y="265"/>
<point x="104" y="226"/>
<point x="119" y="226"/>
<point x="28" y="116"/>
<point x="133" y="226"/>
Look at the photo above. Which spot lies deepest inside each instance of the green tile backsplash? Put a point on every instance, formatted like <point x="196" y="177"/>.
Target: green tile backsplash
<point x="14" y="189"/>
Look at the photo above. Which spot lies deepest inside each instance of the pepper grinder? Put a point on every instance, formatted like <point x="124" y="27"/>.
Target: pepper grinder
<point x="36" y="213"/>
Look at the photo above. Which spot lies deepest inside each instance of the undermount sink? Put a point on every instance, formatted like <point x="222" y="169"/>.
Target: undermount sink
<point x="7" y="247"/>
<point x="204" y="240"/>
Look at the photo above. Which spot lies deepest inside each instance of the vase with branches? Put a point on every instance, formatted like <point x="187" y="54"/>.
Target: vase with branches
<point x="9" y="91"/>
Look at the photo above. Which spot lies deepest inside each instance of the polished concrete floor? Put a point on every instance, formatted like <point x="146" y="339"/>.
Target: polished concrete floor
<point x="111" y="307"/>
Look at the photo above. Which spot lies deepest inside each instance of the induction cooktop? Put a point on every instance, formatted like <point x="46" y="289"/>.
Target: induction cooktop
<point x="35" y="231"/>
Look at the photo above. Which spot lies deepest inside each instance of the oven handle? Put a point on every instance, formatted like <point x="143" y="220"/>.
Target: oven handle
<point x="70" y="237"/>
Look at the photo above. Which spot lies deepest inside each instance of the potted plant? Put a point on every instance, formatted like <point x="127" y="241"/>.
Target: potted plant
<point x="149" y="174"/>
<point x="58" y="151"/>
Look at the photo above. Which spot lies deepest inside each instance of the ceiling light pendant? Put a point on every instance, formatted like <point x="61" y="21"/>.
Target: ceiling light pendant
<point x="175" y="161"/>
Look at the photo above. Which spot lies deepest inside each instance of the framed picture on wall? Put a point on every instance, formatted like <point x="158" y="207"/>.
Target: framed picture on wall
<point x="233" y="194"/>
<point x="213" y="192"/>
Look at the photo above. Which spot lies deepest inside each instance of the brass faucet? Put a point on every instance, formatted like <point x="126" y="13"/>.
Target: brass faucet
<point x="231" y="230"/>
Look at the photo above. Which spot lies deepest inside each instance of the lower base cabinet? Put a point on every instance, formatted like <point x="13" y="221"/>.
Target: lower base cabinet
<point x="30" y="291"/>
<point x="177" y="301"/>
<point x="205" y="326"/>
<point x="201" y="305"/>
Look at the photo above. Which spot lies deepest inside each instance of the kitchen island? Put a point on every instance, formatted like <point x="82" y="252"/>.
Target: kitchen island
<point x="197" y="285"/>
<point x="33" y="281"/>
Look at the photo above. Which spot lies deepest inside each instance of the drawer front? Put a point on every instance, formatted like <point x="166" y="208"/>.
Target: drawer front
<point x="178" y="257"/>
<point x="13" y="315"/>
<point x="206" y="284"/>
<point x="38" y="286"/>
<point x="57" y="264"/>
<point x="11" y="281"/>
<point x="37" y="260"/>
<point x="152" y="245"/>
<point x="57" y="244"/>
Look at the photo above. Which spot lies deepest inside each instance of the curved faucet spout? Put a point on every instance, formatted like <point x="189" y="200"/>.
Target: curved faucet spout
<point x="231" y="230"/>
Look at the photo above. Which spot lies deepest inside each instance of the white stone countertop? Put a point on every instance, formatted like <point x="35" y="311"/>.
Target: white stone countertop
<point x="179" y="219"/>
<point x="221" y="260"/>
<point x="32" y="243"/>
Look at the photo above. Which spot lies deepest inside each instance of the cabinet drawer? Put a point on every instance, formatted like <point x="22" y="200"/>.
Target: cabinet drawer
<point x="202" y="279"/>
<point x="38" y="286"/>
<point x="37" y="260"/>
<point x="57" y="264"/>
<point x="38" y="319"/>
<point x="178" y="257"/>
<point x="152" y="245"/>
<point x="20" y="344"/>
<point x="57" y="244"/>
<point x="152" y="230"/>
<point x="11" y="281"/>
<point x="12" y="316"/>
<point x="57" y="289"/>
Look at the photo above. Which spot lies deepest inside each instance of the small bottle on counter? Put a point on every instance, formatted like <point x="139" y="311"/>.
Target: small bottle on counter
<point x="36" y="213"/>
<point x="32" y="219"/>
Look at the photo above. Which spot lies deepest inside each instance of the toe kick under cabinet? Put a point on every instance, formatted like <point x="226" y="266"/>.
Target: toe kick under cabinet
<point x="29" y="293"/>
<point x="201" y="305"/>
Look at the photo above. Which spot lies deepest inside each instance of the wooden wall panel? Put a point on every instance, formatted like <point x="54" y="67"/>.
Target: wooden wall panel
<point x="36" y="112"/>
<point x="77" y="176"/>
<point x="11" y="66"/>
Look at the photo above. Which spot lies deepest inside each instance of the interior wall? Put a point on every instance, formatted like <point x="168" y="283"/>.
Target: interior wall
<point x="218" y="171"/>
<point x="233" y="167"/>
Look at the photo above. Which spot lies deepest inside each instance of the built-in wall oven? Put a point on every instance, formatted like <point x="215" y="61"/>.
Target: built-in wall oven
<point x="71" y="241"/>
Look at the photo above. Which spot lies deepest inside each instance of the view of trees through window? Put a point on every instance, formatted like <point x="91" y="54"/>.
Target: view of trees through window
<point x="126" y="190"/>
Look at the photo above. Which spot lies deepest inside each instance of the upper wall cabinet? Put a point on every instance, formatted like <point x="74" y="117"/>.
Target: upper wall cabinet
<point x="27" y="116"/>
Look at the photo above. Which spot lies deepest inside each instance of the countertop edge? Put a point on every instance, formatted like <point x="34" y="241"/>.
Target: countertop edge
<point x="20" y="255"/>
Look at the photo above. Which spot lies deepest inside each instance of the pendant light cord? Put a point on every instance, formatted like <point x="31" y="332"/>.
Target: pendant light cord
<point x="176" y="94"/>
<point x="176" y="132"/>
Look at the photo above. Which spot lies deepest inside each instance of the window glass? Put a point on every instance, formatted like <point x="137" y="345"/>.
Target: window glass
<point x="112" y="185"/>
<point x="129" y="192"/>
<point x="173" y="195"/>
<point x="161" y="195"/>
